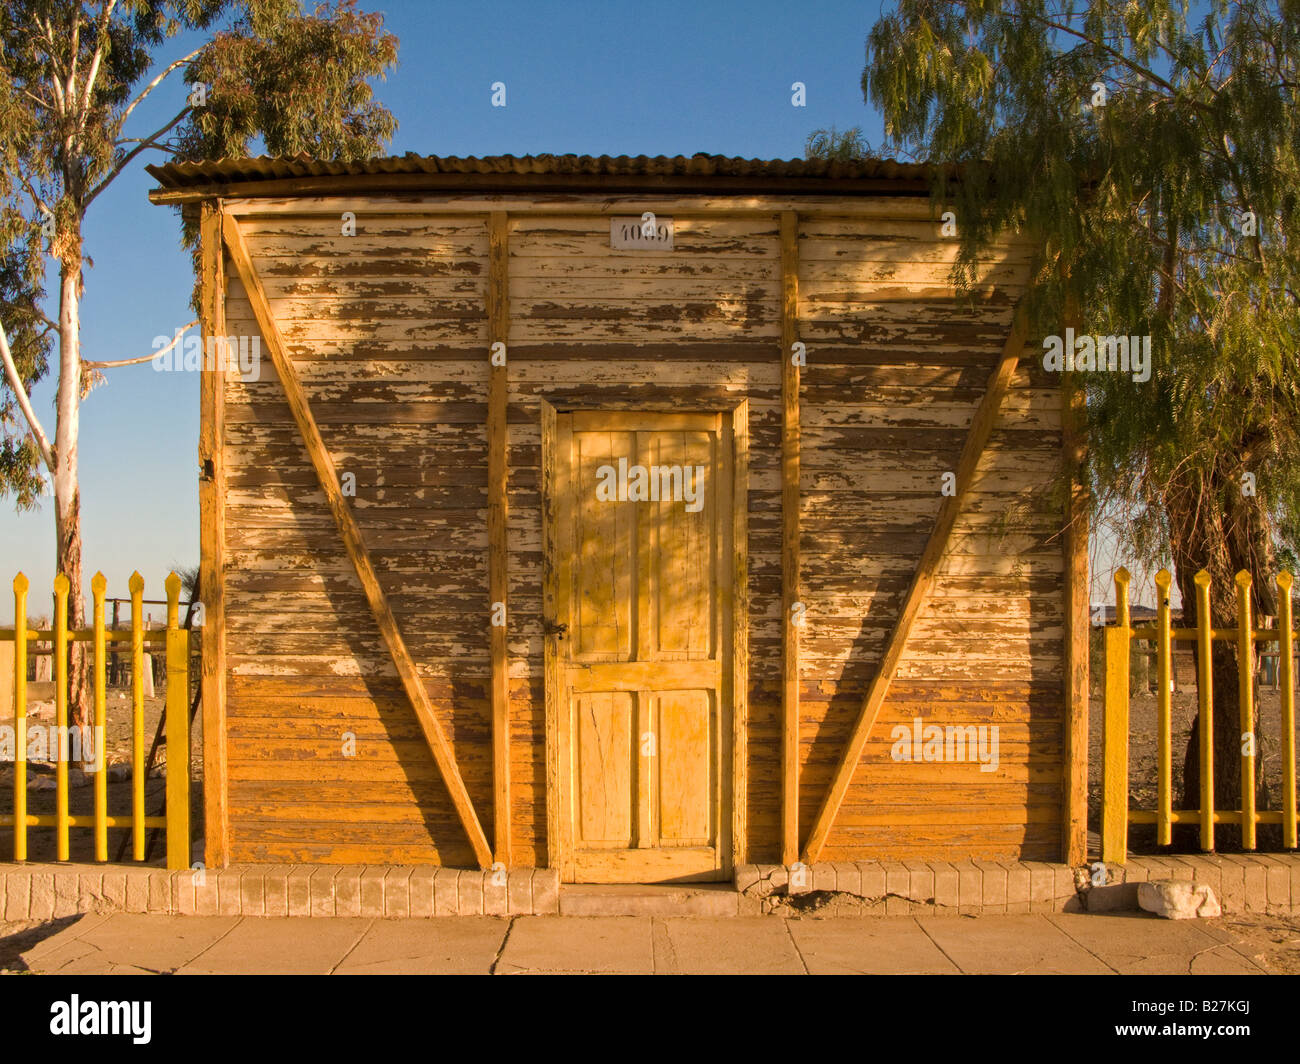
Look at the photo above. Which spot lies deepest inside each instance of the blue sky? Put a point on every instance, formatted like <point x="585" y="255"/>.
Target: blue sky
<point x="581" y="76"/>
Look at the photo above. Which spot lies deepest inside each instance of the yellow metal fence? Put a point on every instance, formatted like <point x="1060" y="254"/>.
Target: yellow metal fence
<point x="174" y="641"/>
<point x="1116" y="814"/>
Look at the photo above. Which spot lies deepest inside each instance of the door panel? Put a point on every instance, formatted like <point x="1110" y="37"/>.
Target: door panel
<point x="643" y="572"/>
<point x="603" y="754"/>
<point x="606" y="550"/>
<point x="686" y="759"/>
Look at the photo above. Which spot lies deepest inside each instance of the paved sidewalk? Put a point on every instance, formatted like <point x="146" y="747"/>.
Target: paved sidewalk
<point x="1048" y="943"/>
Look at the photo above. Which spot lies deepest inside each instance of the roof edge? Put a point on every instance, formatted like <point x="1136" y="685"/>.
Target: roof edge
<point x="700" y="174"/>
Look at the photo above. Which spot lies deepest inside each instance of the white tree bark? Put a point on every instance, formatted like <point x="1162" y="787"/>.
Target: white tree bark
<point x="25" y="402"/>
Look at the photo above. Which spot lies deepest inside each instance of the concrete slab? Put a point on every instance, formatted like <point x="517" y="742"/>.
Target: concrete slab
<point x="1144" y="944"/>
<point x="280" y="945"/>
<point x="1010" y="945"/>
<point x="741" y="945"/>
<point x="128" y="941"/>
<point x="571" y="944"/>
<point x="868" y="946"/>
<point x="464" y="946"/>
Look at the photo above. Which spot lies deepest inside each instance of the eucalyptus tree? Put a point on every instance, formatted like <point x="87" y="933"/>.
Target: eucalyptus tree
<point x="259" y="74"/>
<point x="1156" y="151"/>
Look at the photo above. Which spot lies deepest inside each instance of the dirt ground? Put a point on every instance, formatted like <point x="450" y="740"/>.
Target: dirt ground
<point x="81" y="797"/>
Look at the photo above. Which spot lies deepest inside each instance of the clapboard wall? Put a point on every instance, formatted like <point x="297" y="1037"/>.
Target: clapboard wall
<point x="388" y="330"/>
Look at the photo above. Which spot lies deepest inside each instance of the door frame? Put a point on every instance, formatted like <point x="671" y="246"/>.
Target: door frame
<point x="733" y="707"/>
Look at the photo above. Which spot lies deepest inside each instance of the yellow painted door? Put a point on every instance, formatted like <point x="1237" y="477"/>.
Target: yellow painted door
<point x="644" y="585"/>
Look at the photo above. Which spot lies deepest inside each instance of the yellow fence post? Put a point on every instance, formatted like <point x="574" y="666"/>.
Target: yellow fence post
<point x="21" y="585"/>
<point x="138" y="766"/>
<point x="1286" y="679"/>
<point x="178" y="732"/>
<point x="98" y="585"/>
<point x="1164" y="757"/>
<point x="1114" y="809"/>
<point x="1205" y="705"/>
<point x="61" y="822"/>
<point x="1246" y="701"/>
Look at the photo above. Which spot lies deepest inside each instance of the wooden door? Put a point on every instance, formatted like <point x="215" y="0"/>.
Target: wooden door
<point x="639" y="640"/>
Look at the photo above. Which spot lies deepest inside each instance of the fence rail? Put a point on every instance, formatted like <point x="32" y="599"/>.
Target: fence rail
<point x="1116" y="814"/>
<point x="175" y="641"/>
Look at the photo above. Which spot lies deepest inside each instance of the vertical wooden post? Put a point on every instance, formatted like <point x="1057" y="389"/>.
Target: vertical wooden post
<point x="1114" y="811"/>
<point x="178" y="732"/>
<point x="1164" y="751"/>
<point x="1286" y="679"/>
<point x="498" y="297"/>
<point x="212" y="546"/>
<point x="61" y="821"/>
<point x="789" y="539"/>
<point x="740" y="637"/>
<point x="1246" y="701"/>
<point x="1205" y="705"/>
<point x="557" y="821"/>
<point x="21" y="586"/>
<point x="98" y="584"/>
<point x="138" y="766"/>
<point x="1074" y="812"/>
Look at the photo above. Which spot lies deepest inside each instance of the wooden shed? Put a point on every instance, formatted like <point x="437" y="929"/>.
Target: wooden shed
<point x="638" y="517"/>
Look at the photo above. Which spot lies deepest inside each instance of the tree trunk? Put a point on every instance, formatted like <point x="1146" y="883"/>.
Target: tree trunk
<point x="67" y="496"/>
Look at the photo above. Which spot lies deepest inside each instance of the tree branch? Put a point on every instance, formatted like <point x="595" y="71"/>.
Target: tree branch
<point x="143" y="358"/>
<point x="83" y="109"/>
<point x="20" y="393"/>
<point x="149" y="142"/>
<point x="154" y="84"/>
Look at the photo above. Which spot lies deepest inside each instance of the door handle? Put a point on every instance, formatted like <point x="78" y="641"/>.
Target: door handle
<point x="551" y="628"/>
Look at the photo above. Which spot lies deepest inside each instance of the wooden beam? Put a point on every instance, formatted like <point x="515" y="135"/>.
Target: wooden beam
<point x="789" y="539"/>
<point x="976" y="441"/>
<point x="212" y="537"/>
<point x="475" y="202"/>
<point x="554" y="679"/>
<point x="498" y="308"/>
<point x="353" y="542"/>
<point x="1074" y="812"/>
<point x="740" y="637"/>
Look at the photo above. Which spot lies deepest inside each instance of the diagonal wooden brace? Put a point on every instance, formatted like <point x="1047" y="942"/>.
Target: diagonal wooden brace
<point x="356" y="548"/>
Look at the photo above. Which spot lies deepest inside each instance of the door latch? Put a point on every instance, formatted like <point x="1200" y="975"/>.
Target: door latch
<point x="551" y="628"/>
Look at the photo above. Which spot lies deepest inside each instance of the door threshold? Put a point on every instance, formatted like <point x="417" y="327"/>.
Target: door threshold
<point x="649" y="899"/>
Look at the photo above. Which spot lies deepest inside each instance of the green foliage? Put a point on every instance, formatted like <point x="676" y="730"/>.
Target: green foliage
<point x="1140" y="202"/>
<point x="71" y="73"/>
<point x="848" y="146"/>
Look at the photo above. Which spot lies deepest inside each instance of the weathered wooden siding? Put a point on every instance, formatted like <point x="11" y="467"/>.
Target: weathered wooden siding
<point x="388" y="330"/>
<point x="897" y="366"/>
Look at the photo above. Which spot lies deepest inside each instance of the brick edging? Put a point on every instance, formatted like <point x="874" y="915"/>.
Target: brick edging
<point x="51" y="891"/>
<point x="899" y="888"/>
<point x="1256" y="883"/>
<point x="1259" y="883"/>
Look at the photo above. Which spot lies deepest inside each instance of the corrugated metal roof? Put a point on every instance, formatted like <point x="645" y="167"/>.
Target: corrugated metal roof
<point x="557" y="167"/>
